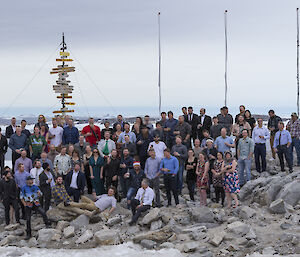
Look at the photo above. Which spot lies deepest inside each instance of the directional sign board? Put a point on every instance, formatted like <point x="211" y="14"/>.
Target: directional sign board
<point x="66" y="96"/>
<point x="64" y="53"/>
<point x="70" y="103"/>
<point x="62" y="111"/>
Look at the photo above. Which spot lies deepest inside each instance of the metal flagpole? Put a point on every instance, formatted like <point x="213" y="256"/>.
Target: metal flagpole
<point x="159" y="65"/>
<point x="226" y="56"/>
<point x="297" y="10"/>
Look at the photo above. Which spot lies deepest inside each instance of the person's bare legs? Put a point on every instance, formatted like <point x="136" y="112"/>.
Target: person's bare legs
<point x="228" y="199"/>
<point x="234" y="196"/>
<point x="204" y="197"/>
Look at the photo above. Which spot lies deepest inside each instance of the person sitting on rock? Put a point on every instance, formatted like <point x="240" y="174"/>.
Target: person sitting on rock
<point x="29" y="196"/>
<point x="87" y="206"/>
<point x="142" y="201"/>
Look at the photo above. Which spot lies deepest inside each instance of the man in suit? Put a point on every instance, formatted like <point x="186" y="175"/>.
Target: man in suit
<point x="11" y="128"/>
<point x="204" y="123"/>
<point x="75" y="183"/>
<point x="192" y="119"/>
<point x="46" y="179"/>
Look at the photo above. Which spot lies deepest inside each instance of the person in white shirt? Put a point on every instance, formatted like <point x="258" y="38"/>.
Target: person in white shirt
<point x="106" y="145"/>
<point x="142" y="201"/>
<point x="36" y="172"/>
<point x="158" y="147"/>
<point x="55" y="135"/>
<point x="259" y="135"/>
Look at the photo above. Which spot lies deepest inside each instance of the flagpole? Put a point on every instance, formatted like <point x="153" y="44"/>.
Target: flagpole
<point x="226" y="55"/>
<point x="159" y="65"/>
<point x="297" y="10"/>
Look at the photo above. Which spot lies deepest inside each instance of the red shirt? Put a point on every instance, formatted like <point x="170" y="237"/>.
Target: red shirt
<point x="92" y="140"/>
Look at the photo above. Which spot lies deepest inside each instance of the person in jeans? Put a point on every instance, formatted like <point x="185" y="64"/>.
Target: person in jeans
<point x="180" y="152"/>
<point x="273" y="127"/>
<point x="169" y="166"/>
<point x="259" y="135"/>
<point x="142" y="201"/>
<point x="152" y="172"/>
<point x="293" y="127"/>
<point x="134" y="178"/>
<point x="282" y="143"/>
<point x="8" y="195"/>
<point x="245" y="155"/>
<point x="29" y="196"/>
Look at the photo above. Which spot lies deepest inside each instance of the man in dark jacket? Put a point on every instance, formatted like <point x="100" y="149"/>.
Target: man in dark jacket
<point x="3" y="150"/>
<point x="273" y="127"/>
<point x="125" y="167"/>
<point x="111" y="170"/>
<point x="75" y="183"/>
<point x="135" y="178"/>
<point x="192" y="119"/>
<point x="8" y="195"/>
<point x="46" y="179"/>
<point x="204" y="123"/>
<point x="143" y="141"/>
<point x="11" y="129"/>
<point x="70" y="134"/>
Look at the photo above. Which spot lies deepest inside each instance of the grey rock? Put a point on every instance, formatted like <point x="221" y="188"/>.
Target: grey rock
<point x="32" y="242"/>
<point x="80" y="221"/>
<point x="45" y="235"/>
<point x="278" y="207"/>
<point x="295" y="240"/>
<point x="167" y="245"/>
<point x="114" y="220"/>
<point x="217" y="239"/>
<point x="155" y="225"/>
<point x="285" y="226"/>
<point x="18" y="232"/>
<point x="238" y="228"/>
<point x="69" y="232"/>
<point x="246" y="212"/>
<point x="11" y="227"/>
<point x="132" y="230"/>
<point x="7" y="240"/>
<point x="247" y="189"/>
<point x="202" y="215"/>
<point x="56" y="237"/>
<point x="151" y="216"/>
<point x="250" y="235"/>
<point x="158" y="236"/>
<point x="148" y="244"/>
<point x="62" y="224"/>
<point x="85" y="237"/>
<point x="190" y="247"/>
<point x="107" y="237"/>
<point x="290" y="193"/>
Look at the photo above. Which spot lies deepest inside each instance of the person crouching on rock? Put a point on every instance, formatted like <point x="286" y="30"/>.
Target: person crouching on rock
<point x="142" y="202"/>
<point x="29" y="196"/>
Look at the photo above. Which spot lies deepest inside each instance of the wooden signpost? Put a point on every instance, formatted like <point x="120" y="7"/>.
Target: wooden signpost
<point x="63" y="88"/>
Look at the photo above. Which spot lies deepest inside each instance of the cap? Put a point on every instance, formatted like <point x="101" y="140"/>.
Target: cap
<point x="136" y="164"/>
<point x="294" y="114"/>
<point x="29" y="178"/>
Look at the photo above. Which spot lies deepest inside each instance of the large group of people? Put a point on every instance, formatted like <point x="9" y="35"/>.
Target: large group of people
<point x="58" y="164"/>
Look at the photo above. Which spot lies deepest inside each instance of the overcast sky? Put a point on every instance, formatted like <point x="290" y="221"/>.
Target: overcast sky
<point x="116" y="42"/>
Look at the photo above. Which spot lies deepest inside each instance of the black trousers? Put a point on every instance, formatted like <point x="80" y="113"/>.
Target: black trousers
<point x="191" y="187"/>
<point x="171" y="185"/>
<point x="220" y="193"/>
<point x="28" y="211"/>
<point x="75" y="193"/>
<point x="2" y="159"/>
<point x="7" y="203"/>
<point x="260" y="157"/>
<point x="282" y="150"/>
<point x="88" y="180"/>
<point x="136" y="213"/>
<point x="46" y="200"/>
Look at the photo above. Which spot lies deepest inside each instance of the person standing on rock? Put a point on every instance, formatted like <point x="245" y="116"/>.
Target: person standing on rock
<point x="293" y="127"/>
<point x="273" y="127"/>
<point x="169" y="166"/>
<point x="75" y="182"/>
<point x="62" y="163"/>
<point x="152" y="173"/>
<point x="46" y="182"/>
<point x="245" y="155"/>
<point x="282" y="143"/>
<point x="218" y="178"/>
<point x="8" y="196"/>
<point x="142" y="201"/>
<point x="111" y="171"/>
<point x="29" y="196"/>
<point x="169" y="130"/>
<point x="260" y="135"/>
<point x="125" y="165"/>
<point x="191" y="177"/>
<point x="231" y="179"/>
<point x="202" y="178"/>
<point x="158" y="146"/>
<point x="92" y="133"/>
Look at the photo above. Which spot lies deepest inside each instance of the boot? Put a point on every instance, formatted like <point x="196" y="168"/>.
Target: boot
<point x="28" y="236"/>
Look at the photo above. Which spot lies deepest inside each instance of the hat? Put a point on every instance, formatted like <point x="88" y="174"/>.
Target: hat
<point x="294" y="114"/>
<point x="29" y="178"/>
<point x="136" y="164"/>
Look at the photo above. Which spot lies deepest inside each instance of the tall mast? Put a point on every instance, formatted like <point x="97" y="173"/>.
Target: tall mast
<point x="159" y="65"/>
<point x="62" y="87"/>
<point x="226" y="55"/>
<point x="297" y="10"/>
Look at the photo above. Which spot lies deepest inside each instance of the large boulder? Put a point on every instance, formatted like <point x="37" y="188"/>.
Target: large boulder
<point x="290" y="193"/>
<point x="246" y="212"/>
<point x="107" y="237"/>
<point x="247" y="189"/>
<point x="45" y="235"/>
<point x="217" y="239"/>
<point x="69" y="232"/>
<point x="238" y="228"/>
<point x="80" y="221"/>
<point x="151" y="216"/>
<point x="114" y="220"/>
<point x="279" y="206"/>
<point x="202" y="215"/>
<point x="86" y="236"/>
<point x="158" y="236"/>
<point x="148" y="244"/>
